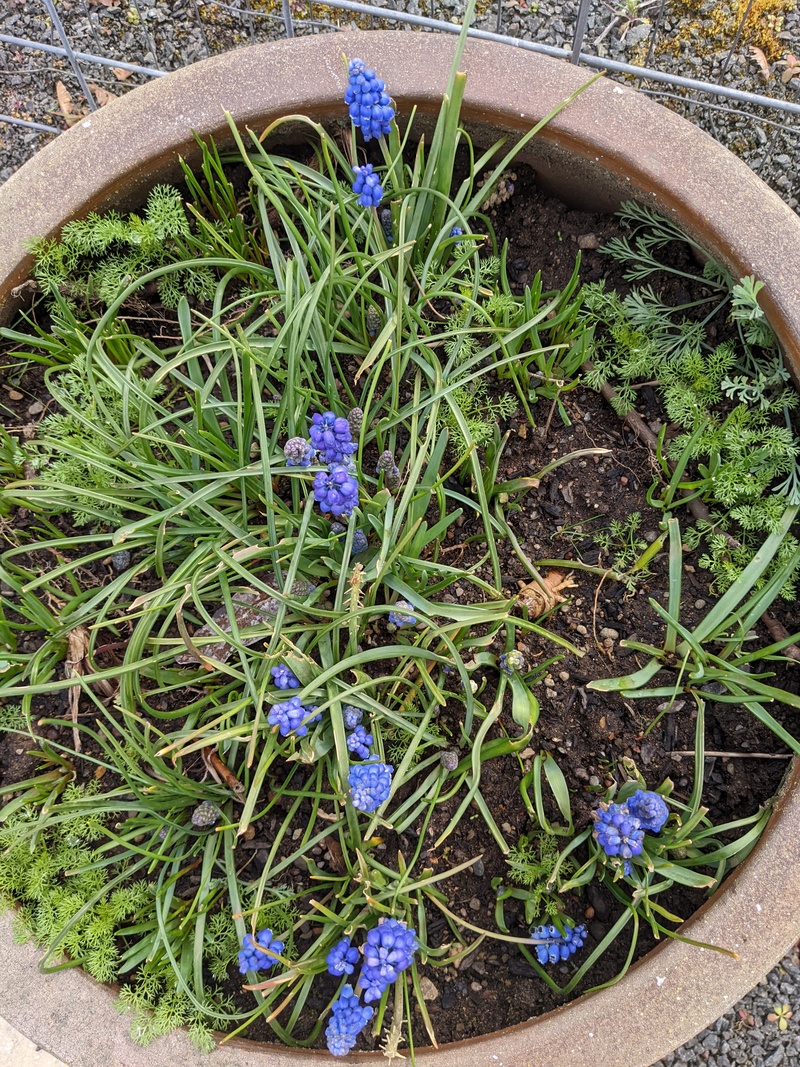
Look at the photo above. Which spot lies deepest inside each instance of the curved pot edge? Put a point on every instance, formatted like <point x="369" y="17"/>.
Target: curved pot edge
<point x="677" y="980"/>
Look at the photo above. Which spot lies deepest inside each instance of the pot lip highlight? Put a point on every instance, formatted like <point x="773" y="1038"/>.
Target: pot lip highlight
<point x="620" y="143"/>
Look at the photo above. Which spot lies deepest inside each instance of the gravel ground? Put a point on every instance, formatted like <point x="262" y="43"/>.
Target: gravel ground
<point x="693" y="38"/>
<point x="690" y="37"/>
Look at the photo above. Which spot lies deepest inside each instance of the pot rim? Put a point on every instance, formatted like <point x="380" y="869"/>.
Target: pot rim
<point x="624" y="142"/>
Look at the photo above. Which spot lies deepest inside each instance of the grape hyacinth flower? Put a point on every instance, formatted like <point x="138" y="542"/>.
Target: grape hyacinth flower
<point x="355" y="419"/>
<point x="253" y="957"/>
<point x="288" y="717"/>
<point x="348" y="1019"/>
<point x="369" y="103"/>
<point x="553" y="945"/>
<point x="359" y="741"/>
<point x="205" y="815"/>
<point x="388" y="950"/>
<point x="352" y="716"/>
<point x="456" y="232"/>
<point x="373" y="321"/>
<point x="449" y="759"/>
<point x="359" y="543"/>
<point x="403" y="617"/>
<point x="283" y="677"/>
<point x="385" y="462"/>
<point x="331" y="437"/>
<point x="617" y="832"/>
<point x="385" y="216"/>
<point x="298" y="452"/>
<point x="342" y="958"/>
<point x="513" y="662"/>
<point x="389" y="469"/>
<point x="368" y="186"/>
<point x="649" y="808"/>
<point x="370" y="785"/>
<point x="336" y="491"/>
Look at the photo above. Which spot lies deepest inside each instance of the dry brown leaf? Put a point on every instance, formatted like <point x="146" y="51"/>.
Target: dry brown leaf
<point x="221" y="773"/>
<point x="74" y="667"/>
<point x="101" y="95"/>
<point x="761" y="59"/>
<point x="66" y="105"/>
<point x="120" y="74"/>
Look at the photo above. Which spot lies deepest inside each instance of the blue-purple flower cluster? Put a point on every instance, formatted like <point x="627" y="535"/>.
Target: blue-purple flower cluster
<point x="352" y="716"/>
<point x="342" y="958"/>
<point x="253" y="957"/>
<point x="298" y="452"/>
<point x="288" y="716"/>
<point x="331" y="442"/>
<point x="330" y="436"/>
<point x="388" y="951"/>
<point x="553" y="945"/>
<point x="348" y="1019"/>
<point x="403" y="617"/>
<point x="619" y="829"/>
<point x="369" y="103"/>
<point x="283" y="677"/>
<point x="359" y="741"/>
<point x="359" y="543"/>
<point x="367" y="185"/>
<point x="336" y="491"/>
<point x="370" y="784"/>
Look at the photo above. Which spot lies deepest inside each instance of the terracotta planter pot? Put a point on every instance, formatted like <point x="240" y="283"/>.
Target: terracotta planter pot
<point x="609" y="145"/>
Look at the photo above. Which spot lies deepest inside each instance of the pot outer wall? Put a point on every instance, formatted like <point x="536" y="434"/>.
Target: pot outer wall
<point x="610" y="144"/>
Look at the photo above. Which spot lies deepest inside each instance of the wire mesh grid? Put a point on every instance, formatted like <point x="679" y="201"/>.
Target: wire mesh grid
<point x="58" y="61"/>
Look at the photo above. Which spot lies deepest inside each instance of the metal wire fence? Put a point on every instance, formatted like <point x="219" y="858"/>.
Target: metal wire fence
<point x="69" y="58"/>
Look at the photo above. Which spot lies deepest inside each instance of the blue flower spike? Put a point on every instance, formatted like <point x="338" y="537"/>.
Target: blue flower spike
<point x="352" y="716"/>
<point x="331" y="437"/>
<point x="367" y="185"/>
<point x="370" y="785"/>
<point x="388" y="951"/>
<point x="253" y="956"/>
<point x="370" y="106"/>
<point x="348" y="1018"/>
<point x="298" y="452"/>
<point x="402" y="617"/>
<point x="283" y="677"/>
<point x="288" y="716"/>
<point x="359" y="741"/>
<point x="617" y="832"/>
<point x="554" y="946"/>
<point x="649" y="808"/>
<point x="342" y="958"/>
<point x="336" y="491"/>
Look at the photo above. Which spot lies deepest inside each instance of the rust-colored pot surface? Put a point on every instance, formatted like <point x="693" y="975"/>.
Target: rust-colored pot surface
<point x="610" y="144"/>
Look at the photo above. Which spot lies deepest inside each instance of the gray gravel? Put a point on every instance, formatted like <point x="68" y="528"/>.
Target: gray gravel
<point x="750" y="1034"/>
<point x="169" y="35"/>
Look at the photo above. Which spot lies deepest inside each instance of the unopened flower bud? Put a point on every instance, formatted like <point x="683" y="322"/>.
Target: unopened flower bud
<point x="205" y="815"/>
<point x="355" y="418"/>
<point x="385" y="462"/>
<point x="449" y="759"/>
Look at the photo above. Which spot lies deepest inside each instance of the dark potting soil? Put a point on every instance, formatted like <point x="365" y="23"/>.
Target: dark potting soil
<point x="588" y="733"/>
